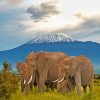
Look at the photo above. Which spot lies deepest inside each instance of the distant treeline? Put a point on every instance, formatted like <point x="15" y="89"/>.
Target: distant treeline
<point x="97" y="76"/>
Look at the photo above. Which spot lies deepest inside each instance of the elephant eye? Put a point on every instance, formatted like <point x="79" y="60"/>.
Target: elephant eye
<point x="31" y="59"/>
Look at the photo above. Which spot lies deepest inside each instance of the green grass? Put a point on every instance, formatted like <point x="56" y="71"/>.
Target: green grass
<point x="54" y="95"/>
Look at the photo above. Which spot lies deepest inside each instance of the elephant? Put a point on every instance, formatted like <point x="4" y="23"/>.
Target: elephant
<point x="81" y="72"/>
<point x="66" y="85"/>
<point x="46" y="64"/>
<point x="26" y="77"/>
<point x="51" y="85"/>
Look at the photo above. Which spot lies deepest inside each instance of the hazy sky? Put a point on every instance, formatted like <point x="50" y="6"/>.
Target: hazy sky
<point x="21" y="19"/>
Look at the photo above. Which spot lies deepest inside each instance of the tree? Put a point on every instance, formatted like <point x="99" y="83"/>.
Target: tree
<point x="6" y="67"/>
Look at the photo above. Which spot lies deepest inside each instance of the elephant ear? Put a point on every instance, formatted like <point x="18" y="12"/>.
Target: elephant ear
<point x="74" y="66"/>
<point x="20" y="67"/>
<point x="42" y="61"/>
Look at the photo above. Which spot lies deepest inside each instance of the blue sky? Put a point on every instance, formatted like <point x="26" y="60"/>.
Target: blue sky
<point x="21" y="19"/>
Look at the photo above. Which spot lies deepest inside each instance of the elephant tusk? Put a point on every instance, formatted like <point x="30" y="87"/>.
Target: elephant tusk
<point x="24" y="81"/>
<point x="30" y="80"/>
<point x="55" y="80"/>
<point x="61" y="80"/>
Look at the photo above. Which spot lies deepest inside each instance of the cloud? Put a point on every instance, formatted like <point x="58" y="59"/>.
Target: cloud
<point x="87" y="30"/>
<point x="79" y="16"/>
<point x="43" y="11"/>
<point x="10" y="4"/>
<point x="15" y="2"/>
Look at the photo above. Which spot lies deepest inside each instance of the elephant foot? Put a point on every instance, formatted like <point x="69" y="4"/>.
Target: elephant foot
<point x="78" y="90"/>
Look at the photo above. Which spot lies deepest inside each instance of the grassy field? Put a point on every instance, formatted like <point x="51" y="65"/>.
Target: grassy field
<point x="54" y="95"/>
<point x="10" y="89"/>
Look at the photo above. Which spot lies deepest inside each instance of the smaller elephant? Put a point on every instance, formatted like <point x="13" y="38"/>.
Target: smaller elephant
<point x="51" y="85"/>
<point x="67" y="84"/>
<point x="80" y="70"/>
<point x="26" y="77"/>
<point x="62" y="86"/>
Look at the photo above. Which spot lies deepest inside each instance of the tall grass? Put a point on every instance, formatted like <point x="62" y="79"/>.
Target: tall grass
<point x="54" y="95"/>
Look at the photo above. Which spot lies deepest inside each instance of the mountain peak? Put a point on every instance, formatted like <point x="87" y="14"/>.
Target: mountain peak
<point x="50" y="37"/>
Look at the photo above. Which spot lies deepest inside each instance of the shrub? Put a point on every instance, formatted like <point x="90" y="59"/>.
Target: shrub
<point x="8" y="82"/>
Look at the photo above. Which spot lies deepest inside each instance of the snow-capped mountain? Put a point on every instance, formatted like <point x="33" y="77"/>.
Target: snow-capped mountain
<point x="50" y="37"/>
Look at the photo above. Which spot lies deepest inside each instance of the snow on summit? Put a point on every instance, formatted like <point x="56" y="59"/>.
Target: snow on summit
<point x="50" y="37"/>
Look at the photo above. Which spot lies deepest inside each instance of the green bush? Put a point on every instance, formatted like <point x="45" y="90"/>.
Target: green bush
<point x="8" y="83"/>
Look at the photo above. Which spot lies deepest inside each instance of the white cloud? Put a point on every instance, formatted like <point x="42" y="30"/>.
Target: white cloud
<point x="87" y="30"/>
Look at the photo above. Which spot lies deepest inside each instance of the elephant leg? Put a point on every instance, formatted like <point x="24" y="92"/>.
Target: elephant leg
<point x="48" y="85"/>
<point x="35" y="82"/>
<point x="31" y="86"/>
<point x="78" y="82"/>
<point x="91" y="87"/>
<point x="42" y="80"/>
<point x="52" y="86"/>
<point x="22" y="85"/>
<point x="41" y="84"/>
<point x="84" y="88"/>
<point x="71" y="84"/>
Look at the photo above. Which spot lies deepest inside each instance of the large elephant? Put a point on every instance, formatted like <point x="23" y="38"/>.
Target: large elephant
<point x="46" y="64"/>
<point x="80" y="70"/>
<point x="26" y="76"/>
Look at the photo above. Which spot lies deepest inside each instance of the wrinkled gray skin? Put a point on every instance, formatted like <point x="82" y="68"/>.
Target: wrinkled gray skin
<point x="25" y="76"/>
<point x="46" y="64"/>
<point x="80" y="70"/>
